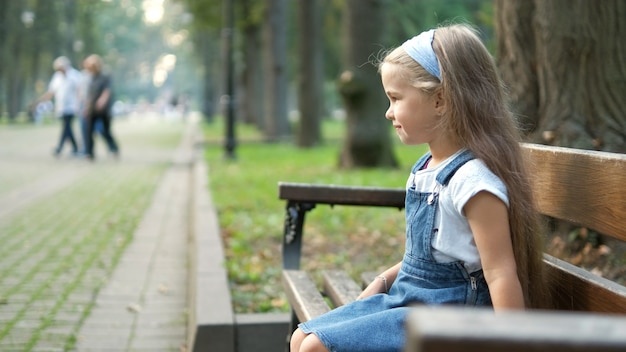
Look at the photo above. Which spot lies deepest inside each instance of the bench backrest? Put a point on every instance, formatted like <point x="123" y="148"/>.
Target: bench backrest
<point x="586" y="188"/>
<point x="583" y="187"/>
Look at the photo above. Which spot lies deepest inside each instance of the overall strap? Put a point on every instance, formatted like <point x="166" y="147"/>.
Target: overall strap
<point x="421" y="162"/>
<point x="444" y="176"/>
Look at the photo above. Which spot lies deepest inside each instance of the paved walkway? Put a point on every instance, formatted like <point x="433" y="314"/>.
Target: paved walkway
<point x="94" y="255"/>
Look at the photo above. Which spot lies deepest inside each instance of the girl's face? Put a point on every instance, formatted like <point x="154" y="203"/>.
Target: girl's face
<point x="412" y="112"/>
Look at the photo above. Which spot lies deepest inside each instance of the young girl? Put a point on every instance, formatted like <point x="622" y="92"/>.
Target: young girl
<point x="472" y="231"/>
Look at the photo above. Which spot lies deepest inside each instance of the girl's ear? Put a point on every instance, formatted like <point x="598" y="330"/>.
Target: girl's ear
<point x="440" y="103"/>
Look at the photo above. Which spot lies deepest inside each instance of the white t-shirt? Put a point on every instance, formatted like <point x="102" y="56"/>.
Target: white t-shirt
<point x="65" y="88"/>
<point x="454" y="240"/>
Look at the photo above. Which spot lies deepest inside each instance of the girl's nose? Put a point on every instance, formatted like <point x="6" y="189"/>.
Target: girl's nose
<point x="389" y="114"/>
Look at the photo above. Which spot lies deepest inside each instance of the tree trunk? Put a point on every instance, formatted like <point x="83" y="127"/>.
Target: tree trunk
<point x="564" y="64"/>
<point x="4" y="30"/>
<point x="310" y="98"/>
<point x="15" y="86"/>
<point x="251" y="102"/>
<point x="205" y="41"/>
<point x="367" y="142"/>
<point x="516" y="58"/>
<point x="70" y="31"/>
<point x="575" y="61"/>
<point x="15" y="60"/>
<point x="276" y="123"/>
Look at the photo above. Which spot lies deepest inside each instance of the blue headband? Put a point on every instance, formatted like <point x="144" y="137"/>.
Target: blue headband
<point x="420" y="48"/>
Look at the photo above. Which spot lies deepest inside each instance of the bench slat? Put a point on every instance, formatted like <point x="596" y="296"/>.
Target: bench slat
<point x="453" y="329"/>
<point x="577" y="289"/>
<point x="580" y="186"/>
<point x="306" y="301"/>
<point x="340" y="287"/>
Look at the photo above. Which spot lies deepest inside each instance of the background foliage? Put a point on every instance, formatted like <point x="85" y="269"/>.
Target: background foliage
<point x="134" y="44"/>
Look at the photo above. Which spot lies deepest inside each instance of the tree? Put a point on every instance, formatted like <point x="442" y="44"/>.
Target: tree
<point x="205" y="27"/>
<point x="276" y="124"/>
<point x="367" y="142"/>
<point x="204" y="44"/>
<point x="310" y="78"/>
<point x="563" y="62"/>
<point x="251" y="103"/>
<point x="15" y="47"/>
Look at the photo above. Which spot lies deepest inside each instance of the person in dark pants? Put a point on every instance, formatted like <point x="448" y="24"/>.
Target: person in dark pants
<point x="64" y="88"/>
<point x="99" y="103"/>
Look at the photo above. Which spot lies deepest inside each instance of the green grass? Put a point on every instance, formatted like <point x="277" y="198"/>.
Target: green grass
<point x="251" y="215"/>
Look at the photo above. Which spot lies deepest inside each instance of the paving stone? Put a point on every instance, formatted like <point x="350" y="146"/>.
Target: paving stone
<point x="31" y="318"/>
<point x="168" y="332"/>
<point x="45" y="346"/>
<point x="11" y="280"/>
<point x="58" y="330"/>
<point x="43" y="304"/>
<point x="160" y="319"/>
<point x="157" y="345"/>
<point x="12" y="347"/>
<point x="18" y="336"/>
<point x="6" y="317"/>
<point x="72" y="309"/>
<point x="79" y="296"/>
<point x="111" y="342"/>
<point x="64" y="316"/>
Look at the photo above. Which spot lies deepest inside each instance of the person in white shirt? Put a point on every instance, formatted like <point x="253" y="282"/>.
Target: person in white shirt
<point x="64" y="88"/>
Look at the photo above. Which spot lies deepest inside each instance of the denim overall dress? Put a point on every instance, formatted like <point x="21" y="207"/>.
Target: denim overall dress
<point x="376" y="323"/>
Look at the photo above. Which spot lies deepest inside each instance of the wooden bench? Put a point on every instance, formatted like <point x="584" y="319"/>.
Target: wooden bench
<point x="586" y="188"/>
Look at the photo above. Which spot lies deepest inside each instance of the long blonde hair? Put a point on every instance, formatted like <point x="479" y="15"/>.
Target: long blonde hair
<point x="478" y="118"/>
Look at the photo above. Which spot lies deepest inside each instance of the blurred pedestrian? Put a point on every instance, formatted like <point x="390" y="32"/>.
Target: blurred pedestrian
<point x="98" y="106"/>
<point x="63" y="88"/>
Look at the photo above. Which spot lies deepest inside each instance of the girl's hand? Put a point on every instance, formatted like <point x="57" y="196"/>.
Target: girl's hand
<point x="377" y="286"/>
<point x="382" y="283"/>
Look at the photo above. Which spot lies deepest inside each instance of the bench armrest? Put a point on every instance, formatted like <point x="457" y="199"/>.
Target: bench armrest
<point x="341" y="195"/>
<point x="302" y="197"/>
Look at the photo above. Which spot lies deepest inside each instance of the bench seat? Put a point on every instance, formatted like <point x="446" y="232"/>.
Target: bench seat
<point x="308" y="302"/>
